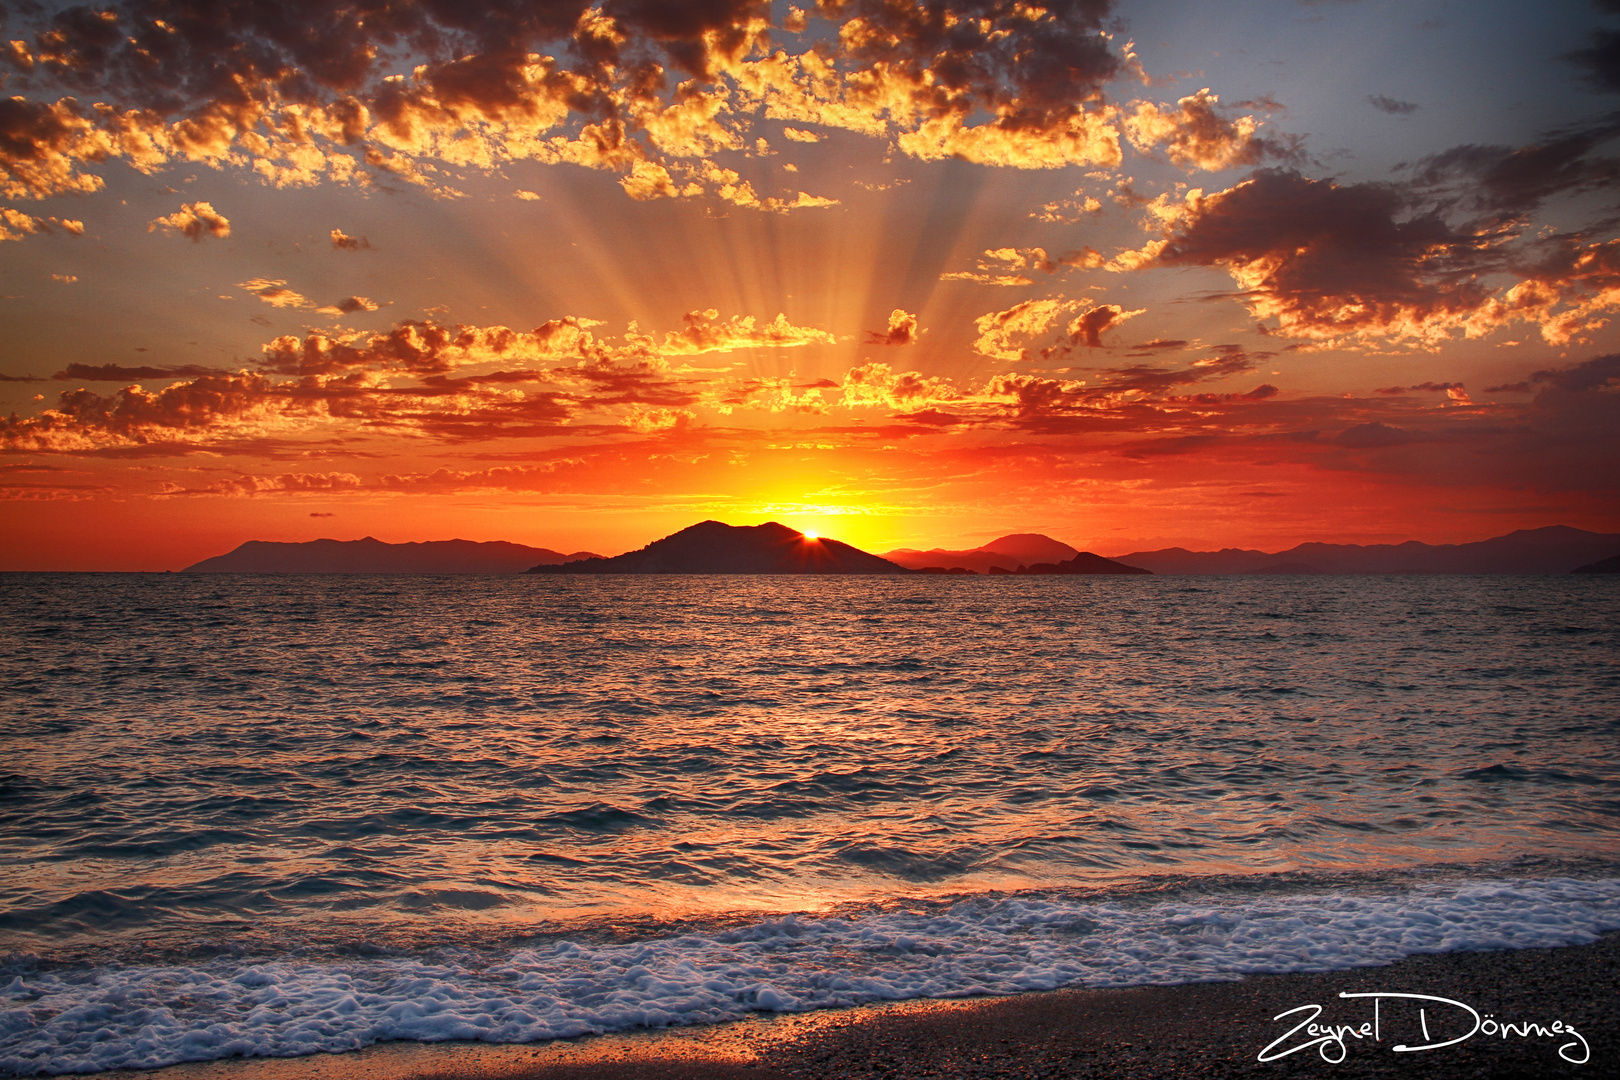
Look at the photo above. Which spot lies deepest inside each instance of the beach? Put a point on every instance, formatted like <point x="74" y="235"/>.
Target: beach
<point x="1213" y="1029"/>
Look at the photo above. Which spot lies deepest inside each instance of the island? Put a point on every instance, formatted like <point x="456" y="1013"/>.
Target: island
<point x="1552" y="549"/>
<point x="373" y="556"/>
<point x="1017" y="553"/>
<point x="713" y="547"/>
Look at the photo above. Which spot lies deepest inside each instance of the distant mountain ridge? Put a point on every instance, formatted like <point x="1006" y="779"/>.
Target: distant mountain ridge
<point x="713" y="547"/>
<point x="373" y="556"/>
<point x="1554" y="549"/>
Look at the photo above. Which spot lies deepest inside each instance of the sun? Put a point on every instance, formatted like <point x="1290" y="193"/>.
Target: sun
<point x="808" y="535"/>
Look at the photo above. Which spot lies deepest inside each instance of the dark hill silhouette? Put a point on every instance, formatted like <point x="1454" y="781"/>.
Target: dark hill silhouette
<point x="1083" y="563"/>
<point x="1031" y="548"/>
<point x="372" y="556"/>
<point x="713" y="547"/>
<point x="1611" y="565"/>
<point x="1018" y="553"/>
<point x="1555" y="549"/>
<point x="1006" y="552"/>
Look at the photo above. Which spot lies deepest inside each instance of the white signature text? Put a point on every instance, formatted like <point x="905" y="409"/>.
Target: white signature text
<point x="1333" y="1041"/>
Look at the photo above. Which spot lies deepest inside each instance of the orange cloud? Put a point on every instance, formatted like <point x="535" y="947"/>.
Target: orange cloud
<point x="879" y="385"/>
<point x="342" y="241"/>
<point x="274" y="292"/>
<point x="247" y="486"/>
<point x="194" y="220"/>
<point x="1196" y="136"/>
<point x="902" y="330"/>
<point x="1000" y="331"/>
<point x="14" y="224"/>
<point x="1004" y="266"/>
<point x="406" y="379"/>
<point x="43" y="148"/>
<point x="649" y="419"/>
<point x="703" y="334"/>
<point x="1005" y="84"/>
<point x="771" y="395"/>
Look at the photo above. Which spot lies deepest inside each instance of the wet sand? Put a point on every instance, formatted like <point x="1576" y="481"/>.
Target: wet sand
<point x="1197" y="1030"/>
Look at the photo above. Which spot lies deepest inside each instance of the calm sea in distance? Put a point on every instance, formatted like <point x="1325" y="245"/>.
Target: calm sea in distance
<point x="276" y="815"/>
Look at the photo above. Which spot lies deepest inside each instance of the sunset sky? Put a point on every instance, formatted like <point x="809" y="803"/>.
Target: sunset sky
<point x="577" y="275"/>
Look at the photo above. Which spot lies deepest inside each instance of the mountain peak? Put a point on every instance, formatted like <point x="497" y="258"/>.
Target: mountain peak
<point x="1030" y="548"/>
<point x="713" y="547"/>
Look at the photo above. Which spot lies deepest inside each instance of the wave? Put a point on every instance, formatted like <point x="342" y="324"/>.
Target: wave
<point x="81" y="1019"/>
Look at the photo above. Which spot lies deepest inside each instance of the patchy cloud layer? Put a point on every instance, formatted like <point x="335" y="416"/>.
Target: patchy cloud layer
<point x="411" y="92"/>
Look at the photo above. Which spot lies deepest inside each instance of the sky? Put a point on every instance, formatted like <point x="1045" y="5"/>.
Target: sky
<point x="903" y="273"/>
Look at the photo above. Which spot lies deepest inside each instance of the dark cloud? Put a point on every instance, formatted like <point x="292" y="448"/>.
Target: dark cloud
<point x="166" y="54"/>
<point x="352" y="304"/>
<point x="120" y="373"/>
<point x="1600" y="61"/>
<point x="1599" y="374"/>
<point x="1377" y="435"/>
<point x="932" y="418"/>
<point x="1438" y="387"/>
<point x="1156" y="346"/>
<point x="1328" y="260"/>
<point x="1393" y="106"/>
<point x="693" y="31"/>
<point x="988" y="55"/>
<point x="1224" y="361"/>
<point x="1512" y="181"/>
<point x="1087" y="329"/>
<point x="1560" y="440"/>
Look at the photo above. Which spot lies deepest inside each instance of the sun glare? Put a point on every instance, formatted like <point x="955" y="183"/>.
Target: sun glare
<point x="809" y="535"/>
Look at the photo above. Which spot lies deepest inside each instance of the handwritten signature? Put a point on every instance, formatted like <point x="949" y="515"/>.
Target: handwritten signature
<point x="1333" y="1041"/>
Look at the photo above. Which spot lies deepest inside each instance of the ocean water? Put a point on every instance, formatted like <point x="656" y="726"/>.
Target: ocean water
<point x="275" y="815"/>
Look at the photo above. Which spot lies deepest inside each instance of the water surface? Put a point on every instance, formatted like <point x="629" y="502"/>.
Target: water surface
<point x="251" y="770"/>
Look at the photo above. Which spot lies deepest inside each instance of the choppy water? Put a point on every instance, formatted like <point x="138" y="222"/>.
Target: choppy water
<point x="279" y="814"/>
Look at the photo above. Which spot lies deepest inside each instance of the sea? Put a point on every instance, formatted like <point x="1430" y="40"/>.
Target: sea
<point x="277" y="815"/>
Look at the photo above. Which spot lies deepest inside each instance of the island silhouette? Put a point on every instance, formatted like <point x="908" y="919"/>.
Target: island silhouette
<point x="1017" y="553"/>
<point x="1553" y="549"/>
<point x="372" y="556"/>
<point x="713" y="547"/>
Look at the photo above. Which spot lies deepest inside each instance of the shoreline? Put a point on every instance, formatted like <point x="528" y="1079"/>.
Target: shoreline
<point x="1190" y="1029"/>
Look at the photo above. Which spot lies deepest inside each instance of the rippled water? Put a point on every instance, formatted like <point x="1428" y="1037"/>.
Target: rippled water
<point x="299" y="766"/>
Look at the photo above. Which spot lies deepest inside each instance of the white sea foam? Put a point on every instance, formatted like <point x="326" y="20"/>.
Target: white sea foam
<point x="60" y="1021"/>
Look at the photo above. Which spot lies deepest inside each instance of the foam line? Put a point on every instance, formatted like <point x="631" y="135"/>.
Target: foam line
<point x="86" y="1020"/>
